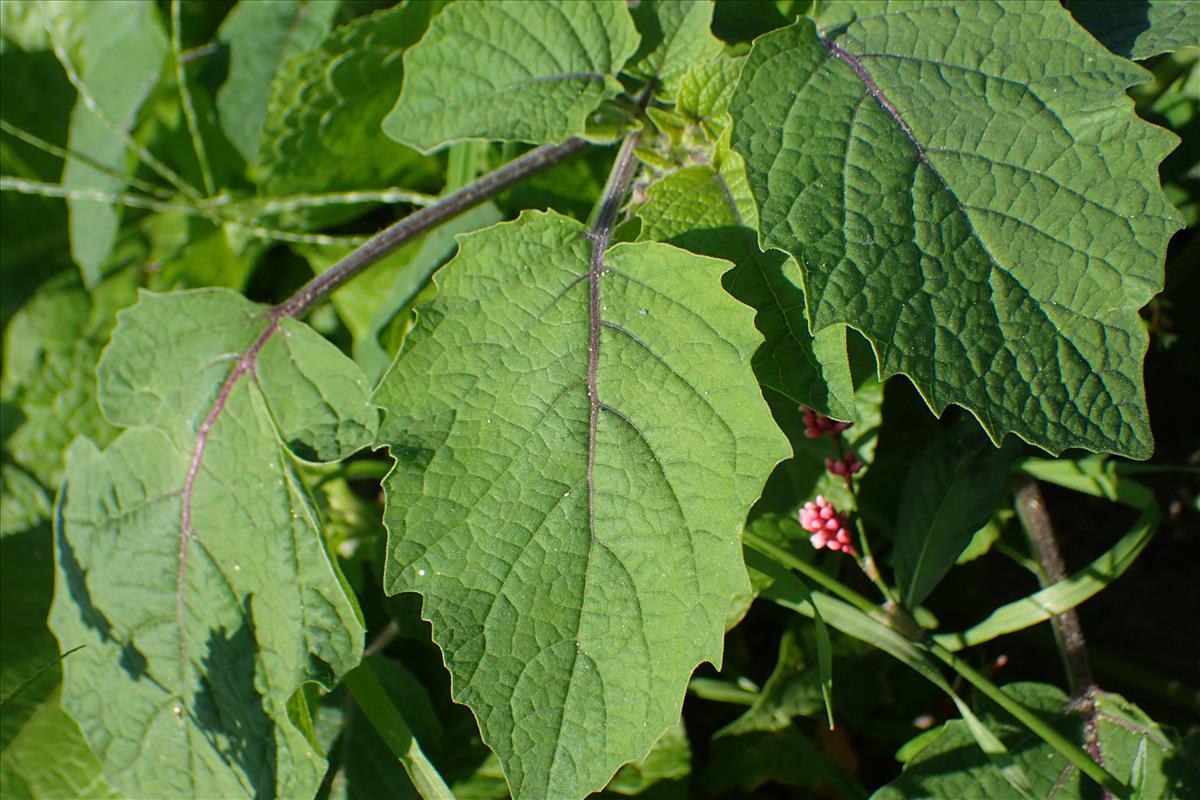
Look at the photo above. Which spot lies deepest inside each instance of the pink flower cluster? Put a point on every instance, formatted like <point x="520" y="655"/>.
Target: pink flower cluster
<point x="827" y="526"/>
<point x="818" y="425"/>
<point x="845" y="466"/>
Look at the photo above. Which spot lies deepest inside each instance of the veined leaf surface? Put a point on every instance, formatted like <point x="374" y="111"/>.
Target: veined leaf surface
<point x="190" y="560"/>
<point x="516" y="71"/>
<point x="970" y="188"/>
<point x="694" y="208"/>
<point x="578" y="437"/>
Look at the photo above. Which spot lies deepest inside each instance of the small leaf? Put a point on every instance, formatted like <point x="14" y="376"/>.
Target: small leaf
<point x="261" y="37"/>
<point x="528" y="72"/>
<point x="991" y="226"/>
<point x="190" y="560"/>
<point x="1139" y="30"/>
<point x="571" y="512"/>
<point x="950" y="492"/>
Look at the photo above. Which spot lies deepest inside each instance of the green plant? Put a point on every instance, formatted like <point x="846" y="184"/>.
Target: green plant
<point x="625" y="369"/>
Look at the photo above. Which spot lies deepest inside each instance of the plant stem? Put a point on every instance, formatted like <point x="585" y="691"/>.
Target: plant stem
<point x="423" y="220"/>
<point x="374" y="702"/>
<point x="1031" y="510"/>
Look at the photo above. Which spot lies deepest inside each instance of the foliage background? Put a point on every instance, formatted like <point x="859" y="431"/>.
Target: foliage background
<point x="277" y="122"/>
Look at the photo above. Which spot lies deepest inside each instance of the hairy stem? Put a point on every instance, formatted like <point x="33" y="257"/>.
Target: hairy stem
<point x="425" y="219"/>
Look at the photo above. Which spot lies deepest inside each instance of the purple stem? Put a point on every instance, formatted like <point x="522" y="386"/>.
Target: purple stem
<point x="873" y="89"/>
<point x="320" y="287"/>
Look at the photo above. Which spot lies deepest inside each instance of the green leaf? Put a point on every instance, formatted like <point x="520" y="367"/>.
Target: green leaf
<point x="528" y="72"/>
<point x="675" y="35"/>
<point x="950" y="492"/>
<point x="992" y="226"/>
<point x="190" y="560"/>
<point x="50" y="759"/>
<point x="706" y="88"/>
<point x="322" y="128"/>
<point x="261" y="37"/>
<point x="42" y="752"/>
<point x="794" y="689"/>
<point x="693" y="208"/>
<point x="577" y="551"/>
<point x="369" y="303"/>
<point x="1139" y="29"/>
<point x="668" y="764"/>
<point x="50" y="352"/>
<point x="949" y="765"/>
<point x="121" y="53"/>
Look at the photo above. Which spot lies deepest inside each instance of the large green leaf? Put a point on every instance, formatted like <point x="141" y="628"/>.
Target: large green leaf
<point x="694" y="209"/>
<point x="322" y="127"/>
<point x="516" y="71"/>
<point x="1141" y="28"/>
<point x="945" y="763"/>
<point x="577" y="443"/>
<point x="970" y="188"/>
<point x="261" y="37"/>
<point x="121" y="51"/>
<point x="950" y="492"/>
<point x="190" y="560"/>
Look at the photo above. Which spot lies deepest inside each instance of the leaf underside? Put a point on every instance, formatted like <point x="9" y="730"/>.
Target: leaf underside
<point x="574" y="572"/>
<point x="194" y="644"/>
<point x="974" y="194"/>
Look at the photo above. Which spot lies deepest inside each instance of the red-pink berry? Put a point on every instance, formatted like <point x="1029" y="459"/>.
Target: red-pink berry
<point x="827" y="526"/>
<point x="818" y="425"/>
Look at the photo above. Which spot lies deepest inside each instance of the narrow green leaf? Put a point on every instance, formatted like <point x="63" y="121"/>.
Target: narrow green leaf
<point x="1070" y="592"/>
<point x="122" y="48"/>
<point x="261" y="38"/>
<point x="675" y="35"/>
<point x="190" y="560"/>
<point x="951" y="491"/>
<point x="528" y="72"/>
<point x="374" y="702"/>
<point x="694" y="208"/>
<point x="572" y="519"/>
<point x="947" y="766"/>
<point x="322" y="128"/>
<point x="1142" y="29"/>
<point x="991" y="226"/>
